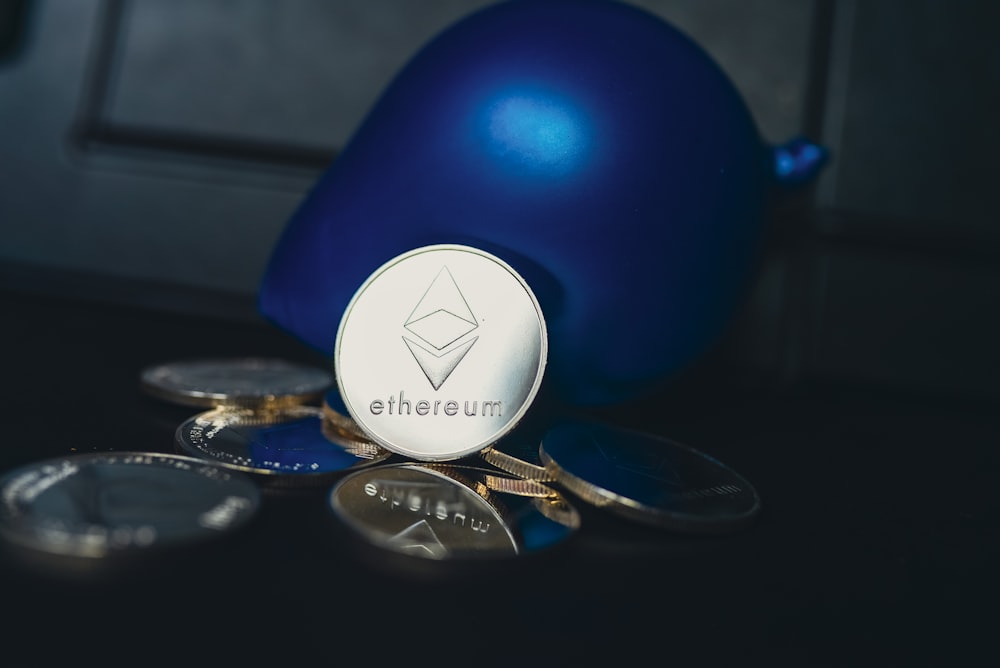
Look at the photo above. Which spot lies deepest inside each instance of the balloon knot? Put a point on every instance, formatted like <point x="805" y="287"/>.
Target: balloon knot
<point x="797" y="161"/>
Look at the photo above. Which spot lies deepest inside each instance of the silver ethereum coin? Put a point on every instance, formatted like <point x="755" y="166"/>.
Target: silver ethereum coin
<point x="241" y="381"/>
<point x="94" y="506"/>
<point x="648" y="478"/>
<point x="440" y="352"/>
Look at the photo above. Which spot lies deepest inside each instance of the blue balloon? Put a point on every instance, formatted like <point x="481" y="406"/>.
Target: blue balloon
<point x="591" y="145"/>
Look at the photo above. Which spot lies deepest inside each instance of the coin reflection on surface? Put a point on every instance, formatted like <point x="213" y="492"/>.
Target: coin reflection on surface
<point x="287" y="447"/>
<point x="648" y="478"/>
<point x="93" y="506"/>
<point x="444" y="512"/>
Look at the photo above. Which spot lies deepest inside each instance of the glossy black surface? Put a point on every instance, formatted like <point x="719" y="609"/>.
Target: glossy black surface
<point x="877" y="543"/>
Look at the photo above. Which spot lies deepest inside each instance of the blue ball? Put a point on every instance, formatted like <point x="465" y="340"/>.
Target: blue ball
<point x="591" y="145"/>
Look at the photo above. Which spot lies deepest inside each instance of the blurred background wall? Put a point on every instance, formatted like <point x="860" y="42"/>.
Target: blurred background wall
<point x="151" y="151"/>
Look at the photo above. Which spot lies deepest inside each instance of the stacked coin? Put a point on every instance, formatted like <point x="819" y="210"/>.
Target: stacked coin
<point x="261" y="419"/>
<point x="439" y="355"/>
<point x="415" y="440"/>
<point x="522" y="493"/>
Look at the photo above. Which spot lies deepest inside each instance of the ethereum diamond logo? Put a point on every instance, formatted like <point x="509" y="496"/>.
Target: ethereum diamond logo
<point x="441" y="322"/>
<point x="419" y="538"/>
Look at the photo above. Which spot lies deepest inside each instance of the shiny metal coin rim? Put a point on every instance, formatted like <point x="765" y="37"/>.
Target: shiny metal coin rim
<point x="13" y="529"/>
<point x="370" y="453"/>
<point x="161" y="381"/>
<point x="425" y="447"/>
<point x="502" y="482"/>
<point x="630" y="508"/>
<point x="515" y="465"/>
<point x="341" y="421"/>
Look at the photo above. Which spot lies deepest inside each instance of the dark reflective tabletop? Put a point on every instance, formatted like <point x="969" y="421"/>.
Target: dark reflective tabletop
<point x="876" y="544"/>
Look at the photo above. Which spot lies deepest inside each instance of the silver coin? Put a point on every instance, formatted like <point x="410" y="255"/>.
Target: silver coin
<point x="443" y="512"/>
<point x="97" y="505"/>
<point x="440" y="352"/>
<point x="249" y="381"/>
<point x="648" y="478"/>
<point x="290" y="447"/>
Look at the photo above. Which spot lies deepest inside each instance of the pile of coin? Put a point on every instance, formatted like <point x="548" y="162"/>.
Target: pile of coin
<point x="412" y="443"/>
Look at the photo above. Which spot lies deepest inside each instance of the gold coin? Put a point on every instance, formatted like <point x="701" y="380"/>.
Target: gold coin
<point x="518" y="458"/>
